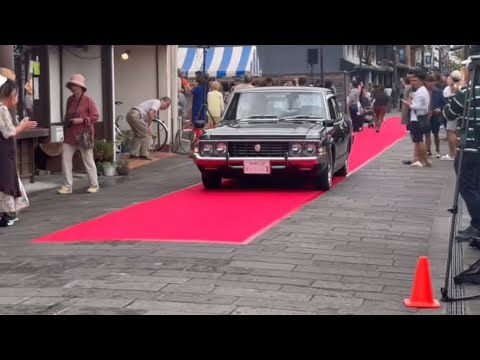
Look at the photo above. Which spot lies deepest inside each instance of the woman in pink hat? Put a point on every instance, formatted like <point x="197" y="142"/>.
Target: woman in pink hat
<point x="79" y="125"/>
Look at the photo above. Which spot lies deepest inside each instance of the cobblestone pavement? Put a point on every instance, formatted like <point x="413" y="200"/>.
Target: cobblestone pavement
<point x="352" y="251"/>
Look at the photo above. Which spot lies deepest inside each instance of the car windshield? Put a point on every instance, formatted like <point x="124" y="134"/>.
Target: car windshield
<point x="257" y="106"/>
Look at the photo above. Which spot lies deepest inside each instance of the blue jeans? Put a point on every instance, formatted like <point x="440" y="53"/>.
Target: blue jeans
<point x="469" y="185"/>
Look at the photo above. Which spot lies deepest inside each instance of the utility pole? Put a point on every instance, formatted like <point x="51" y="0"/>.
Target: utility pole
<point x="395" y="78"/>
<point x="423" y="57"/>
<point x="440" y="58"/>
<point x="321" y="66"/>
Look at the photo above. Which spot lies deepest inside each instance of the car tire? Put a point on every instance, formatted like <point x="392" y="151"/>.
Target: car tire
<point x="344" y="170"/>
<point x="211" y="181"/>
<point x="324" y="178"/>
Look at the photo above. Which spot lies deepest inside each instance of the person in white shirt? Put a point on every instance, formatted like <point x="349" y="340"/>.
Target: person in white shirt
<point x="419" y="122"/>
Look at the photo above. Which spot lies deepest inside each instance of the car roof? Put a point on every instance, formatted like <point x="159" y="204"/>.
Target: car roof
<point x="285" y="89"/>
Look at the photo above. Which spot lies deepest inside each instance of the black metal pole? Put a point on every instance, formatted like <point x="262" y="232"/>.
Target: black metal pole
<point x="205" y="89"/>
<point x="440" y="59"/>
<point x="395" y="79"/>
<point x="311" y="73"/>
<point x="423" y="57"/>
<point x="321" y="65"/>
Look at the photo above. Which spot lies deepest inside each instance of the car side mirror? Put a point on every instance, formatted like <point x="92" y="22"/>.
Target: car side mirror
<point x="328" y="122"/>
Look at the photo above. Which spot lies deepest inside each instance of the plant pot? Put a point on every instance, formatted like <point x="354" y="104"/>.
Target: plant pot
<point x="109" y="170"/>
<point x="123" y="170"/>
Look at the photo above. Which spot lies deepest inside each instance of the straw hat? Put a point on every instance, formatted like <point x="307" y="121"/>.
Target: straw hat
<point x="9" y="74"/>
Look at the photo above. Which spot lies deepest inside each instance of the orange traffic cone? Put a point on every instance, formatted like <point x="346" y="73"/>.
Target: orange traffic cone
<point x="422" y="291"/>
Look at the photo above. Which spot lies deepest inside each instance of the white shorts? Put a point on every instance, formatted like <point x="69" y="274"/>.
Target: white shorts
<point x="452" y="125"/>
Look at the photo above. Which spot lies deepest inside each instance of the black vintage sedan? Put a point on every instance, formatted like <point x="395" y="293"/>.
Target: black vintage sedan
<point x="277" y="131"/>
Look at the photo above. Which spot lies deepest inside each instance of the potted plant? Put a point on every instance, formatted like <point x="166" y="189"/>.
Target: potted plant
<point x="109" y="169"/>
<point x="98" y="150"/>
<point x="123" y="167"/>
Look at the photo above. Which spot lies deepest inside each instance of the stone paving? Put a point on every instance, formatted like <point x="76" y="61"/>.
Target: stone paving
<point x="352" y="251"/>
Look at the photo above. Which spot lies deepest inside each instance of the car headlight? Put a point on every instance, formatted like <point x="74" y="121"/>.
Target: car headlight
<point x="206" y="149"/>
<point x="310" y="148"/>
<point x="296" y="148"/>
<point x="322" y="150"/>
<point x="221" y="148"/>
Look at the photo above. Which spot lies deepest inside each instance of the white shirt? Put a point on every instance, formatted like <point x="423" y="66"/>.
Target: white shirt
<point x="146" y="106"/>
<point x="420" y="103"/>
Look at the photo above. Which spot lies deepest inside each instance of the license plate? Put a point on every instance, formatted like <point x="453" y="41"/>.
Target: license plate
<point x="256" y="167"/>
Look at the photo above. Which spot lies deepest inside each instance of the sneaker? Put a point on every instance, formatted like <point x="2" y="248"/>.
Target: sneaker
<point x="429" y="163"/>
<point x="5" y="223"/>
<point x="146" y="158"/>
<point x="407" y="162"/>
<point x="447" y="157"/>
<point x="417" y="164"/>
<point x="468" y="234"/>
<point x="470" y="228"/>
<point x="93" y="189"/>
<point x="429" y="154"/>
<point x="11" y="218"/>
<point x="437" y="155"/>
<point x="64" y="190"/>
<point x="133" y="157"/>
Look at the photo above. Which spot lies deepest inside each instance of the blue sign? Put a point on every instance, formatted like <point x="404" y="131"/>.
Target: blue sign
<point x="402" y="55"/>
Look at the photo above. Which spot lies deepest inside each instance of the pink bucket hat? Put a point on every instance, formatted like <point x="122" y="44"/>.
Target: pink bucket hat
<point x="77" y="79"/>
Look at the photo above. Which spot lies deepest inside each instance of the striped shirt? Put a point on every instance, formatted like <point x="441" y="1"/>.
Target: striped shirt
<point x="454" y="110"/>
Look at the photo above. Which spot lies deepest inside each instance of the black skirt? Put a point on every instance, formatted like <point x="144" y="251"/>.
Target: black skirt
<point x="8" y="168"/>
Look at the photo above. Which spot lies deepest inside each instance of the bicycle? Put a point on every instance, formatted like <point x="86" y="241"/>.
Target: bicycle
<point x="121" y="137"/>
<point x="159" y="135"/>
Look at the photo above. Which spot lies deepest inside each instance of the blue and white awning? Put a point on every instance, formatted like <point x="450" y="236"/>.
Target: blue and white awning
<point x="220" y="62"/>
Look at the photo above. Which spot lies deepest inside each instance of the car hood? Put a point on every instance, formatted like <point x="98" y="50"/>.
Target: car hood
<point x="269" y="129"/>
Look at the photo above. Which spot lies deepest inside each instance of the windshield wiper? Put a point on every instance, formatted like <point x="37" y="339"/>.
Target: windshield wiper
<point x="253" y="117"/>
<point x="302" y="118"/>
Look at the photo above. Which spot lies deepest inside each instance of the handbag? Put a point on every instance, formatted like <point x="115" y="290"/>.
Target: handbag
<point x="84" y="139"/>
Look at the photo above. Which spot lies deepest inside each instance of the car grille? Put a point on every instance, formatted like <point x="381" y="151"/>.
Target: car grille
<point x="267" y="149"/>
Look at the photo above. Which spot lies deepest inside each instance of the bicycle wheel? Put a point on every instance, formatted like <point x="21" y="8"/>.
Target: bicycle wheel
<point x="183" y="143"/>
<point x="159" y="135"/>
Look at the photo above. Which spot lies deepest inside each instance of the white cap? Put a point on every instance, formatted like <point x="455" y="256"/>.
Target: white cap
<point x="3" y="80"/>
<point x="456" y="75"/>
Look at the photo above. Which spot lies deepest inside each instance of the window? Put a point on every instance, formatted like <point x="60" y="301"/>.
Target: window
<point x="276" y="103"/>
<point x="332" y="109"/>
<point x="337" y="107"/>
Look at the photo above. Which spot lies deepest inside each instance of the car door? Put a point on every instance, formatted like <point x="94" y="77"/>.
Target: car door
<point x="339" y="129"/>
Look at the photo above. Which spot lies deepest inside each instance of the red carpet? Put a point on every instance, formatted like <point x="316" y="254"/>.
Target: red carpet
<point x="231" y="215"/>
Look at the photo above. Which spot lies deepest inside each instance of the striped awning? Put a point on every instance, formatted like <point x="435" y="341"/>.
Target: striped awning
<point x="220" y="62"/>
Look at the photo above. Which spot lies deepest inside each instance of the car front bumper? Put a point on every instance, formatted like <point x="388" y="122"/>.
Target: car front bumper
<point x="226" y="164"/>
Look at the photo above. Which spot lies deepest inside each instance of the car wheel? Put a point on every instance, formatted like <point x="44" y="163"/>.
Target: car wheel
<point x="324" y="178"/>
<point x="211" y="181"/>
<point x="344" y="170"/>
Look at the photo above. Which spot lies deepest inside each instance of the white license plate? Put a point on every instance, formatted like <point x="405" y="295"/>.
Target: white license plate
<point x="256" y="167"/>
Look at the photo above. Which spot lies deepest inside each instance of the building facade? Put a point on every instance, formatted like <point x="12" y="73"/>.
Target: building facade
<point x="149" y="71"/>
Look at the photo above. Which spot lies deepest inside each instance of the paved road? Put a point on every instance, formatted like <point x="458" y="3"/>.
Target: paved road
<point x="351" y="251"/>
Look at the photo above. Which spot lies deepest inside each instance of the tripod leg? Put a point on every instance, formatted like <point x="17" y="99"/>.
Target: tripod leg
<point x="464" y="129"/>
